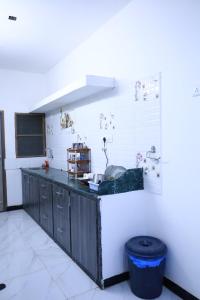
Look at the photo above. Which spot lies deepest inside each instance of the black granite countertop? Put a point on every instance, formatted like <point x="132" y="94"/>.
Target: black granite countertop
<point x="61" y="177"/>
<point x="131" y="180"/>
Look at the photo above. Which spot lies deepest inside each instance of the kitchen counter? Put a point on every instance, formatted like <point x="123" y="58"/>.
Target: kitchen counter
<point x="79" y="220"/>
<point x="131" y="180"/>
<point x="61" y="177"/>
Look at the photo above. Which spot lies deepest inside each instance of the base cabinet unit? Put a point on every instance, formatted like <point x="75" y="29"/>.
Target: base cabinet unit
<point x="91" y="229"/>
<point x="71" y="219"/>
<point x="30" y="193"/>
<point x="46" y="206"/>
<point x="34" y="198"/>
<point x="61" y="217"/>
<point x="84" y="233"/>
<point x="25" y="192"/>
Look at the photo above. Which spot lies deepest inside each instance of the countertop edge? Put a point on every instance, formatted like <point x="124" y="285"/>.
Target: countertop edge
<point x="89" y="194"/>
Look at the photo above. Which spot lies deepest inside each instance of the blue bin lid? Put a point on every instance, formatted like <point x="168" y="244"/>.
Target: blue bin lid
<point x="146" y="247"/>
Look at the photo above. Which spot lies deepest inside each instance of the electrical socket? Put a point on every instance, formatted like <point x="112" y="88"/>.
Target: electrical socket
<point x="108" y="139"/>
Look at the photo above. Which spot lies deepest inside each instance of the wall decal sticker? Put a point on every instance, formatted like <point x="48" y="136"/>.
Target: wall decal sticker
<point x="196" y="92"/>
<point x="147" y="89"/>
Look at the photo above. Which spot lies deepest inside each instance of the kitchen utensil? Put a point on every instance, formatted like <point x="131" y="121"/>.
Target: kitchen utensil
<point x="98" y="178"/>
<point x="114" y="172"/>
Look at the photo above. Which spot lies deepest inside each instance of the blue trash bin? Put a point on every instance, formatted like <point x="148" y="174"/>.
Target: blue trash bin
<point x="146" y="259"/>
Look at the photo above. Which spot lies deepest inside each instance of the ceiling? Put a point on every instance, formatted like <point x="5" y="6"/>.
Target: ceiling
<point x="47" y="30"/>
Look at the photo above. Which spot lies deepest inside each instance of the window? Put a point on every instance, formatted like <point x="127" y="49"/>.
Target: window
<point x="30" y="138"/>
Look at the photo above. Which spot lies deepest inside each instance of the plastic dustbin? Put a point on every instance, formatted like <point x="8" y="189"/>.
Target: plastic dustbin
<point x="146" y="258"/>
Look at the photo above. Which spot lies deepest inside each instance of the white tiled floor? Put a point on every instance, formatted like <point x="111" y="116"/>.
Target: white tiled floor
<point x="33" y="267"/>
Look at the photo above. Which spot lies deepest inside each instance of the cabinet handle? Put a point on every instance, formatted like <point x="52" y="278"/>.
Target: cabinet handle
<point x="43" y="185"/>
<point x="59" y="206"/>
<point x="59" y="230"/>
<point x="59" y="193"/>
<point x="45" y="217"/>
<point x="44" y="197"/>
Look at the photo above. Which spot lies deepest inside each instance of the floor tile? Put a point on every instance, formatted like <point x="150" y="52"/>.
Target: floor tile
<point x="58" y="271"/>
<point x="72" y="280"/>
<point x="15" y="218"/>
<point x="119" y="292"/>
<point x="6" y="224"/>
<point x="52" y="257"/>
<point x="39" y="240"/>
<point x="3" y="218"/>
<point x="18" y="263"/>
<point x="6" y="228"/>
<point x="35" y="286"/>
<point x="97" y="294"/>
<point x="35" y="268"/>
<point x="27" y="226"/>
<point x="12" y="242"/>
<point x="18" y="215"/>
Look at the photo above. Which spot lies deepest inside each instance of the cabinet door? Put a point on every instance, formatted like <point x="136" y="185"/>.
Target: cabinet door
<point x="34" y="197"/>
<point x="84" y="232"/>
<point x="46" y="211"/>
<point x="61" y="215"/>
<point x="25" y="192"/>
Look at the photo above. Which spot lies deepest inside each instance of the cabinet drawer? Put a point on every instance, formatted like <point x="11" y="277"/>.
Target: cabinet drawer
<point x="45" y="189"/>
<point x="34" y="197"/>
<point x="43" y="186"/>
<point x="61" y="215"/>
<point x="60" y="198"/>
<point x="46" y="209"/>
<point x="62" y="232"/>
<point x="44" y="218"/>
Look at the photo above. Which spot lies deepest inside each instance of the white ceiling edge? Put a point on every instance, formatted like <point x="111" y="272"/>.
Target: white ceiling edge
<point x="47" y="31"/>
<point x="87" y="86"/>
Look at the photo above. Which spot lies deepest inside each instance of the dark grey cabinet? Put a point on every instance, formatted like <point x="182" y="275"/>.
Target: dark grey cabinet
<point x="71" y="219"/>
<point x="25" y="191"/>
<point x="84" y="233"/>
<point x="61" y="217"/>
<point x="30" y="138"/>
<point x="34" y="200"/>
<point x="30" y="193"/>
<point x="46" y="208"/>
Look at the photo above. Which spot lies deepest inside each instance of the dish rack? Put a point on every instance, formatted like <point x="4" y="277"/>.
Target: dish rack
<point x="78" y="162"/>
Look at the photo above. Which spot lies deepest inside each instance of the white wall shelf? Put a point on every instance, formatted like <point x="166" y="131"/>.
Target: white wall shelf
<point x="87" y="86"/>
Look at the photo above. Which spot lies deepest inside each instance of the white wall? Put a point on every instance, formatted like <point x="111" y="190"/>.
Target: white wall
<point x="18" y="90"/>
<point x="115" y="234"/>
<point x="145" y="38"/>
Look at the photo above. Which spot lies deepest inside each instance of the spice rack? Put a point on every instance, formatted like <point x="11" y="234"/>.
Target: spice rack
<point x="78" y="161"/>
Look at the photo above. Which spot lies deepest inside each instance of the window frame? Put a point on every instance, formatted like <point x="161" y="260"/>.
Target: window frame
<point x="20" y="135"/>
